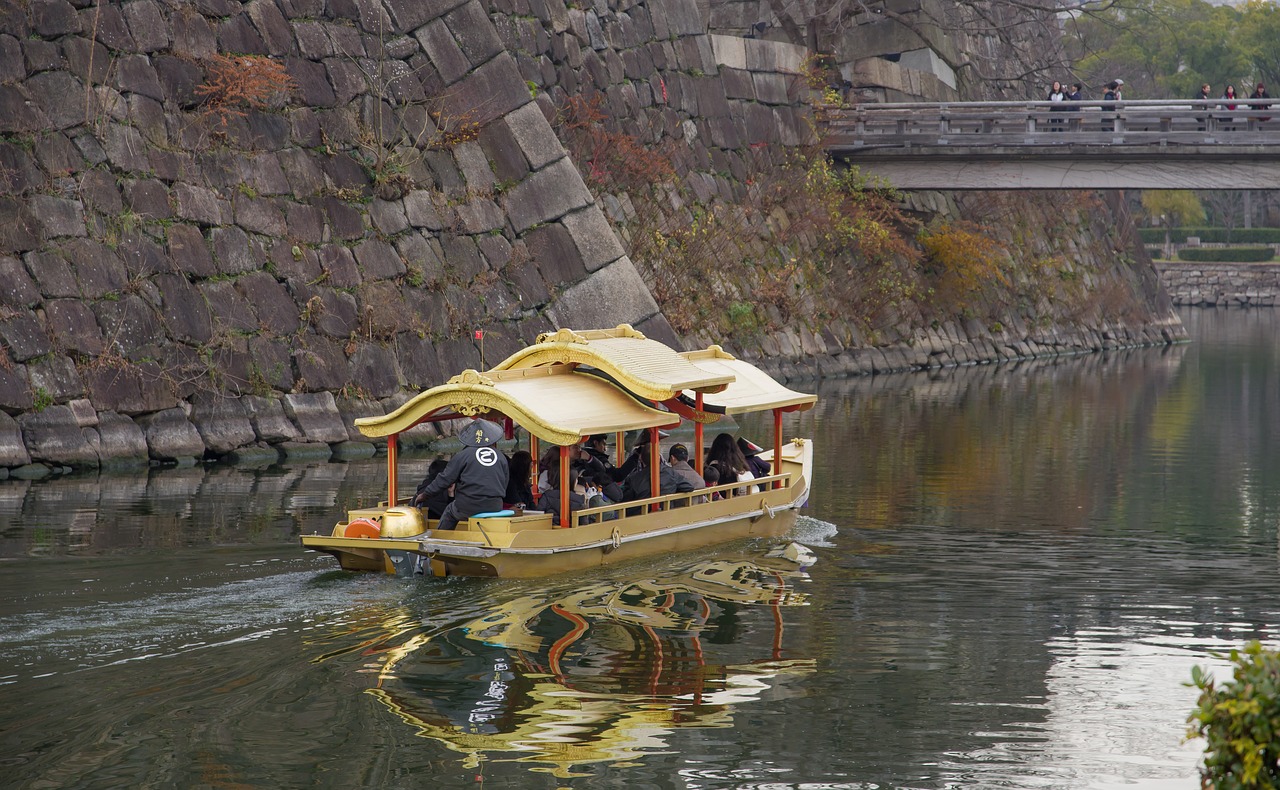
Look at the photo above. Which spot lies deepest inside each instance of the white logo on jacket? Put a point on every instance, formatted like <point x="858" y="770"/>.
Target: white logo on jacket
<point x="487" y="456"/>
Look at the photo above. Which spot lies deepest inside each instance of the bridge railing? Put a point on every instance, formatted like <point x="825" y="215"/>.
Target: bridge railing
<point x="1040" y="123"/>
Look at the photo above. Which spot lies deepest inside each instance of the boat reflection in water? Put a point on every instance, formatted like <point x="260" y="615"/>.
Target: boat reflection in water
<point x="603" y="674"/>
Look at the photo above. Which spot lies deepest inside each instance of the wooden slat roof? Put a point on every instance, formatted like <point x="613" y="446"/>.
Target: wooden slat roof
<point x="751" y="389"/>
<point x="645" y="367"/>
<point x="554" y="403"/>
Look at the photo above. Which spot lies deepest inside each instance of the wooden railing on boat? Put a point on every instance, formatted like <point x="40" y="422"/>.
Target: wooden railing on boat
<point x="670" y="501"/>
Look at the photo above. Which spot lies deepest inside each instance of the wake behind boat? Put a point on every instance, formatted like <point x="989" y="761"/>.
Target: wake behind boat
<point x="565" y="387"/>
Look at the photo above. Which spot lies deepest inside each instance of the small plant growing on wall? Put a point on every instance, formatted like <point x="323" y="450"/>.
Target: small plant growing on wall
<point x="1240" y="721"/>
<point x="238" y="83"/>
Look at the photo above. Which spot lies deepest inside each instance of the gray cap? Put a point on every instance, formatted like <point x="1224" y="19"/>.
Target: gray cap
<point x="480" y="433"/>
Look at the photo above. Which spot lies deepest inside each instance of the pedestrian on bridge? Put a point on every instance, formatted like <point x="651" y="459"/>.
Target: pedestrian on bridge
<point x="1230" y="95"/>
<point x="1260" y="92"/>
<point x="1203" y="95"/>
<point x="1058" y="97"/>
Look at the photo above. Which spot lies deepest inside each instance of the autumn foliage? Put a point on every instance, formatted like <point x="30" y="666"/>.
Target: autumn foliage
<point x="613" y="159"/>
<point x="962" y="259"/>
<point x="238" y="83"/>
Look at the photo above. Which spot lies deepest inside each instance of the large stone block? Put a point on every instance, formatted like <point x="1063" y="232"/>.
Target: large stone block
<point x="129" y="388"/>
<point x="271" y="302"/>
<point x="271" y="363"/>
<point x="613" y="295"/>
<point x="55" y="376"/>
<point x="15" y="390"/>
<point x="24" y="336"/>
<point x="58" y="216"/>
<point x="183" y="309"/>
<point x="12" y="450"/>
<point x="49" y="91"/>
<point x="474" y="32"/>
<point x="74" y="326"/>
<point x="489" y="92"/>
<point x="129" y="323"/>
<point x="269" y="420"/>
<point x="171" y="436"/>
<point x="316" y="415"/>
<point x="189" y="251"/>
<point x="147" y="25"/>
<point x="320" y="365"/>
<point x="374" y="370"/>
<point x="593" y="237"/>
<point x="232" y="251"/>
<point x="552" y="250"/>
<point x="53" y="436"/>
<point x="19" y="229"/>
<point x="351" y="409"/>
<point x="378" y="260"/>
<point x="222" y="422"/>
<point x="546" y="195"/>
<point x="17" y="289"/>
<point x="120" y="439"/>
<point x="229" y="306"/>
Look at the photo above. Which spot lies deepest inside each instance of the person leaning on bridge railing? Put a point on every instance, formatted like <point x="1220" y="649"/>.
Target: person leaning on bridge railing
<point x="1260" y="92"/>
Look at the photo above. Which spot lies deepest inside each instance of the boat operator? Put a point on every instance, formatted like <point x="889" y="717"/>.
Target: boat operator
<point x="478" y="474"/>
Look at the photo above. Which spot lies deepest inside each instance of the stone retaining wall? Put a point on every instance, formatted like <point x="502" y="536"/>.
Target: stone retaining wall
<point x="178" y="284"/>
<point x="1221" y="284"/>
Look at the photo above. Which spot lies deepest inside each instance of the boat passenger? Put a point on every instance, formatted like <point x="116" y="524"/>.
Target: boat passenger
<point x="551" y="497"/>
<point x="725" y="456"/>
<point x="606" y="487"/>
<point x="519" y="489"/>
<point x="597" y="446"/>
<point x="621" y="473"/>
<point x="637" y="486"/>
<point x="711" y="476"/>
<point x="678" y="457"/>
<point x="586" y="464"/>
<point x="751" y="451"/>
<point x="478" y="474"/>
<point x="436" y="504"/>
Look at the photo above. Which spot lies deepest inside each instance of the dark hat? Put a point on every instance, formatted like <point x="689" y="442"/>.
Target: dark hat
<point x="480" y="433"/>
<point x="748" y="447"/>
<point x="644" y="435"/>
<point x="679" y="452"/>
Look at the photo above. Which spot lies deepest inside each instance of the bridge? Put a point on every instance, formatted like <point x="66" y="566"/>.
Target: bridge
<point x="1187" y="144"/>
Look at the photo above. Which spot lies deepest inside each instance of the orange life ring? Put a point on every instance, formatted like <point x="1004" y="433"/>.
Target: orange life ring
<point x="362" y="528"/>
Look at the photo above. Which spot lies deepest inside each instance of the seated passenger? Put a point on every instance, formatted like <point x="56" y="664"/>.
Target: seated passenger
<point x="751" y="451"/>
<point x="637" y="486"/>
<point x="711" y="477"/>
<point x="597" y="446"/>
<point x="729" y="461"/>
<point x="579" y="459"/>
<point x="678" y="457"/>
<point x="550" y="500"/>
<point x="436" y="504"/>
<point x="519" y="490"/>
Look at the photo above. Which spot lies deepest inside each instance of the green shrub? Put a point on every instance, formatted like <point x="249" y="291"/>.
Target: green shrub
<point x="1227" y="254"/>
<point x="1240" y="720"/>
<point x="1212" y="235"/>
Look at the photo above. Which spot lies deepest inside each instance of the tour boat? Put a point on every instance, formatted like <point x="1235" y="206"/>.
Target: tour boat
<point x="567" y="386"/>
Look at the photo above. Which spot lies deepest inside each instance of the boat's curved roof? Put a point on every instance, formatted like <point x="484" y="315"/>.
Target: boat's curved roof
<point x="751" y="389"/>
<point x="554" y="403"/>
<point x="645" y="367"/>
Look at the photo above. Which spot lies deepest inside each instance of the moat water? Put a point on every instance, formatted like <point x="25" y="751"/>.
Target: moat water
<point x="1018" y="567"/>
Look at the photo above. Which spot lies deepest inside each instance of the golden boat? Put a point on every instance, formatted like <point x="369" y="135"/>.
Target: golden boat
<point x="565" y="387"/>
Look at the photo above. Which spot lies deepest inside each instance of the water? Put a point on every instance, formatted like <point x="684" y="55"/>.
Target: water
<point x="1018" y="567"/>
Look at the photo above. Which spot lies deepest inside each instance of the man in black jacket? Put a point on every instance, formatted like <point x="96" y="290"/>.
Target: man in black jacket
<point x="478" y="474"/>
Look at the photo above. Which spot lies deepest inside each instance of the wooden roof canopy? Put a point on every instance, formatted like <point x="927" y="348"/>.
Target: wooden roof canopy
<point x="751" y="389"/>
<point x="542" y="390"/>
<point x="554" y="403"/>
<point x="645" y="367"/>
